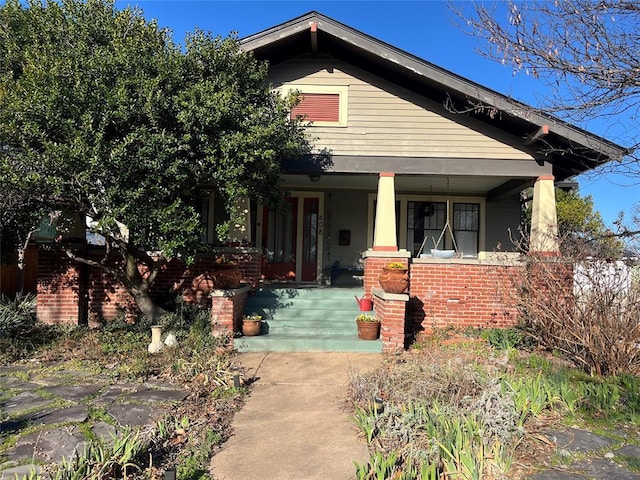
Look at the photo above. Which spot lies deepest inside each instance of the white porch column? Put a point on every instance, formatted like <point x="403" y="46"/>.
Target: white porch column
<point x="384" y="237"/>
<point x="544" y="223"/>
<point x="240" y="231"/>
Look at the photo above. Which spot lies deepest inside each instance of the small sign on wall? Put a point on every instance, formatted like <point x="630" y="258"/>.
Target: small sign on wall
<point x="344" y="237"/>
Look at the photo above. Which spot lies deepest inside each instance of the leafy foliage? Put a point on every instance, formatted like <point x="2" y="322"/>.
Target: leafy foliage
<point x="17" y="315"/>
<point x="585" y="308"/>
<point x="101" y="115"/>
<point x="420" y="434"/>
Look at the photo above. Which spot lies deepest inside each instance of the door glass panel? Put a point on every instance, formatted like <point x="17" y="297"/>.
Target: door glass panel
<point x="281" y="235"/>
<point x="310" y="235"/>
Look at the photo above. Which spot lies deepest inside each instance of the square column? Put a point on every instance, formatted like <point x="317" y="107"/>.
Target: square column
<point x="384" y="237"/>
<point x="544" y="222"/>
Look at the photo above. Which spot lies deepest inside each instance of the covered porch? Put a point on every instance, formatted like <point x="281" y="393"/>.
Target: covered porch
<point x="472" y="289"/>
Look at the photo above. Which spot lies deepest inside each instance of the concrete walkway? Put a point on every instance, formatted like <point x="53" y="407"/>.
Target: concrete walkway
<point x="294" y="424"/>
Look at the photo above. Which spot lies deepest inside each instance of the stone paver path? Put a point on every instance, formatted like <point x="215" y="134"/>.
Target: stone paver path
<point x="598" y="457"/>
<point x="46" y="417"/>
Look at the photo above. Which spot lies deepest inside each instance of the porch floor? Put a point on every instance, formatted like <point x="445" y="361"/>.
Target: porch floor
<point x="306" y="318"/>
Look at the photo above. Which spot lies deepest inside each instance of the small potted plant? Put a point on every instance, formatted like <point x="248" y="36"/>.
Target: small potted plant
<point x="394" y="277"/>
<point x="251" y="324"/>
<point x="395" y="266"/>
<point x="368" y="326"/>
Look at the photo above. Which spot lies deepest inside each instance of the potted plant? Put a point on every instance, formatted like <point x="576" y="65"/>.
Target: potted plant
<point x="251" y="324"/>
<point x="394" y="277"/>
<point x="226" y="273"/>
<point x="368" y="326"/>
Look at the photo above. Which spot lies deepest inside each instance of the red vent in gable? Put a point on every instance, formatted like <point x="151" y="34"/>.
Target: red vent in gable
<point x="318" y="107"/>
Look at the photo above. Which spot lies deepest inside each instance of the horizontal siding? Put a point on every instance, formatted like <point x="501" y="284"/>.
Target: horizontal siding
<point x="387" y="120"/>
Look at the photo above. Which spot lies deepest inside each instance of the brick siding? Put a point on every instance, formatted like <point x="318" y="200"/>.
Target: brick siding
<point x="72" y="293"/>
<point x="462" y="295"/>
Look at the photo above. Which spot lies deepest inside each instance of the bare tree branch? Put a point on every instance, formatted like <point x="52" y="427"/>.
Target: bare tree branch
<point x="586" y="51"/>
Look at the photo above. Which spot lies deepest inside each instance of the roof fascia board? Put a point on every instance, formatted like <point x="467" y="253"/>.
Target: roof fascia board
<point x="467" y="87"/>
<point x="429" y="71"/>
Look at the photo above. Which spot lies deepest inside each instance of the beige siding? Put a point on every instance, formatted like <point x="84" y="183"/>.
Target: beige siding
<point x="384" y="119"/>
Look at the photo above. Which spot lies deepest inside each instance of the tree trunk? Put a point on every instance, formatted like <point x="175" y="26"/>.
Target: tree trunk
<point x="139" y="286"/>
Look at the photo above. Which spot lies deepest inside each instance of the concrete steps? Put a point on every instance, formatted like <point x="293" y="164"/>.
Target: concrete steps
<point x="305" y="319"/>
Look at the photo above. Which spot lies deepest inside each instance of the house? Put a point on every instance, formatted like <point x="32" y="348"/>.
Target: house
<point x="409" y="160"/>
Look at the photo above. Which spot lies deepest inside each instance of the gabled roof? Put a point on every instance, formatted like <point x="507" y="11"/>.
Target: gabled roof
<point x="570" y="149"/>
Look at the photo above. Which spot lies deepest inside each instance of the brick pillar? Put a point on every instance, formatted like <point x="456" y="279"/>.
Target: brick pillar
<point x="60" y="293"/>
<point x="391" y="310"/>
<point x="226" y="310"/>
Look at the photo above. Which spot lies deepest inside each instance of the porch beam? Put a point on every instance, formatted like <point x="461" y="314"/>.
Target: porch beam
<point x="507" y="189"/>
<point x="525" y="169"/>
<point x="540" y="133"/>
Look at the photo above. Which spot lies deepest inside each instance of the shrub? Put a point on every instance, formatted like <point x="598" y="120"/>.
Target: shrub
<point x="587" y="309"/>
<point x="17" y="315"/>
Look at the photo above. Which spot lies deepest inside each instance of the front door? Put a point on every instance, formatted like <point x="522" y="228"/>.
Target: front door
<point x="290" y="240"/>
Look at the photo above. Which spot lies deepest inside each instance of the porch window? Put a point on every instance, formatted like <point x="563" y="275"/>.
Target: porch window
<point x="425" y="220"/>
<point x="466" y="221"/>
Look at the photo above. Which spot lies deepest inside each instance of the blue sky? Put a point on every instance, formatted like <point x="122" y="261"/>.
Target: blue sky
<point x="427" y="29"/>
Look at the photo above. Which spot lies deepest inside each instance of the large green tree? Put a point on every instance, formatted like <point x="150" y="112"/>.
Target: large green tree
<point x="103" y="116"/>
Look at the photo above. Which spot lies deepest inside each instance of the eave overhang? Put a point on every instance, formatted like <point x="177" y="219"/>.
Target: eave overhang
<point x="571" y="150"/>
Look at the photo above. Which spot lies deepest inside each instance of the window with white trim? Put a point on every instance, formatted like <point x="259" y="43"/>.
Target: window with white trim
<point x="425" y="222"/>
<point x="421" y="217"/>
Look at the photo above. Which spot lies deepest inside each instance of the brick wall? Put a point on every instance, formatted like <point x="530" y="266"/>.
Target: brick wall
<point x="107" y="299"/>
<point x="73" y="293"/>
<point x="462" y="295"/>
<point x="60" y="293"/>
<point x="194" y="281"/>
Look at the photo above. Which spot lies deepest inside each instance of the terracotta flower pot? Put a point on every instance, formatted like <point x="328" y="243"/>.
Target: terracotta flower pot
<point x="251" y="328"/>
<point x="227" y="276"/>
<point x="394" y="280"/>
<point x="368" y="330"/>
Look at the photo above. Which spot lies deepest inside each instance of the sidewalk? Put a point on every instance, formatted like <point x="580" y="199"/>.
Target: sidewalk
<point x="294" y="425"/>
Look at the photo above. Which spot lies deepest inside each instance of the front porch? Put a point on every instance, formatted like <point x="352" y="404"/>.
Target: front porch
<point x="312" y="317"/>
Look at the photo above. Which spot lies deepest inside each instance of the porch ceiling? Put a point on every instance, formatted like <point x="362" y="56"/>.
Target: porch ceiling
<point x="419" y="184"/>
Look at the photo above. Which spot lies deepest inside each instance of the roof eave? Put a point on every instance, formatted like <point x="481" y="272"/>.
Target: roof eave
<point x="416" y="66"/>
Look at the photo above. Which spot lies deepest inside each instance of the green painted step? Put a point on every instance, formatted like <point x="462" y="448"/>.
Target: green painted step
<point x="309" y="318"/>
<point x="304" y="343"/>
